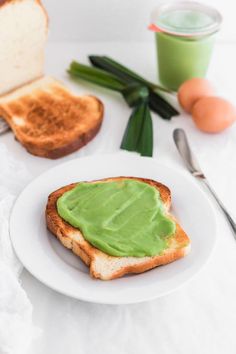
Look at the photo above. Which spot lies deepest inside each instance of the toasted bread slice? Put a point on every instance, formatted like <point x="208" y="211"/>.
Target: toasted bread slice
<point x="107" y="267"/>
<point x="48" y="120"/>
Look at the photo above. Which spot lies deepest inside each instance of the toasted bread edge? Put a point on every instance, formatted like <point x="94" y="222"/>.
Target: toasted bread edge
<point x="73" y="239"/>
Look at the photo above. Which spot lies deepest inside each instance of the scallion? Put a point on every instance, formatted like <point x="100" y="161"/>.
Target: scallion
<point x="137" y="92"/>
<point x="156" y="102"/>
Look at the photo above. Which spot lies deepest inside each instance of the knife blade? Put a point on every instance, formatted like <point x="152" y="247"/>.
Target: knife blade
<point x="192" y="165"/>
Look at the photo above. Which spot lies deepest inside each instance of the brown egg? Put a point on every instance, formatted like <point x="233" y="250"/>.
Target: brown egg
<point x="192" y="90"/>
<point x="213" y="114"/>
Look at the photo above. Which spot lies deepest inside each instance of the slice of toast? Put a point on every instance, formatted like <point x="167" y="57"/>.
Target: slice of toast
<point x="48" y="120"/>
<point x="107" y="267"/>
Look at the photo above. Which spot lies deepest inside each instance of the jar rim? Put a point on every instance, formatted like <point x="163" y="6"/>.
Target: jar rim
<point x="203" y="30"/>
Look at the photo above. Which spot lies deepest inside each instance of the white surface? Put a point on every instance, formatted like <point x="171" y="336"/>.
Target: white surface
<point x="58" y="268"/>
<point x="118" y="20"/>
<point x="198" y="318"/>
<point x="15" y="308"/>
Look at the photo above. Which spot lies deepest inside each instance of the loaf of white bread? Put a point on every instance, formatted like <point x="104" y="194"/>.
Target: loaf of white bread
<point x="23" y="34"/>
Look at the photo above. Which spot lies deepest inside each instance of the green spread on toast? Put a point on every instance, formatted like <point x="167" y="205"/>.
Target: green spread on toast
<point x="121" y="218"/>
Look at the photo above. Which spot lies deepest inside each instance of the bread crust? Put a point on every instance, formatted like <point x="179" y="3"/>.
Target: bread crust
<point x="73" y="239"/>
<point x="4" y="2"/>
<point x="39" y="2"/>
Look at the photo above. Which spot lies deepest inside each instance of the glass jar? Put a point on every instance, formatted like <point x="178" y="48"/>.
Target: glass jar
<point x="185" y="34"/>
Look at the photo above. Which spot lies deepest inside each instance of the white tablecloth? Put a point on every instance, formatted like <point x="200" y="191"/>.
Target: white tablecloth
<point x="198" y="318"/>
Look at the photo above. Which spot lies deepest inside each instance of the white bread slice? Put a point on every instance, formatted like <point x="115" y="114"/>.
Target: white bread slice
<point x="103" y="266"/>
<point x="48" y="120"/>
<point x="23" y="34"/>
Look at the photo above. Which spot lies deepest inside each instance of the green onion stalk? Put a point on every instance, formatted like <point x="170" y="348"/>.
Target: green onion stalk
<point x="140" y="94"/>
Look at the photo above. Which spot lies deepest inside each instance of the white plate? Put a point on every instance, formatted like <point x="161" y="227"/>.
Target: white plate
<point x="43" y="255"/>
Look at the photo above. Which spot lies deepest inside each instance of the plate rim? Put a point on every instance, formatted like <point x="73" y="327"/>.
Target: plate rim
<point x="152" y="296"/>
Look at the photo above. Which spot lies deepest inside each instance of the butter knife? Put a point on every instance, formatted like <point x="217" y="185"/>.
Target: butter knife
<point x="191" y="163"/>
<point x="3" y="126"/>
